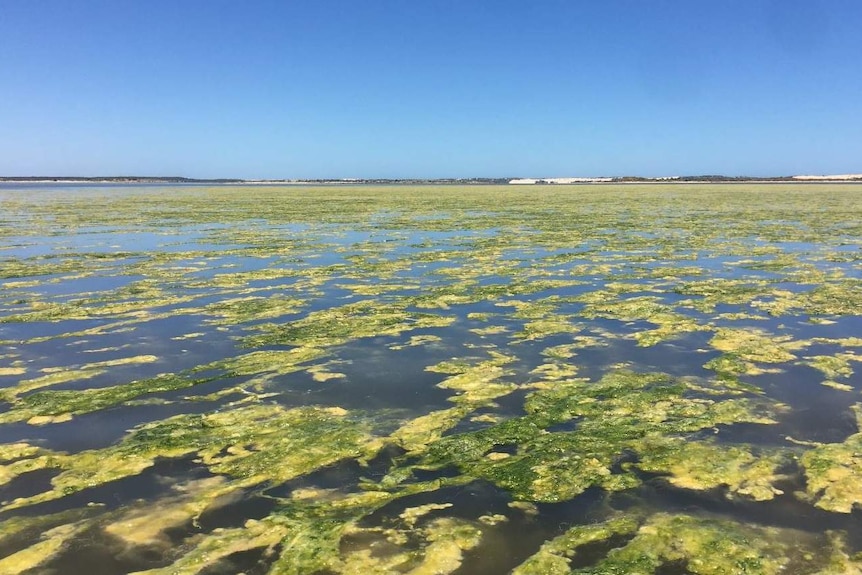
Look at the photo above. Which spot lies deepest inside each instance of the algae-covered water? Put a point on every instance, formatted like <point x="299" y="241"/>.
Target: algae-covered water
<point x="431" y="380"/>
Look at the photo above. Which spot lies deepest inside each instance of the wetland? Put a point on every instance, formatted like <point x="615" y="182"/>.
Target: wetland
<point x="650" y="379"/>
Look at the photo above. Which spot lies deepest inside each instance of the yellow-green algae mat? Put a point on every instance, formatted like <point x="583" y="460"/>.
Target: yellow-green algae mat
<point x="566" y="379"/>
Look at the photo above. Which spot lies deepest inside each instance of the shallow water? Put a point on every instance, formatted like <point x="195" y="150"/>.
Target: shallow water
<point x="413" y="380"/>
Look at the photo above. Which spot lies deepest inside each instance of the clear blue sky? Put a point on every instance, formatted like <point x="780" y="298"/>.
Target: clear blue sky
<point x="412" y="88"/>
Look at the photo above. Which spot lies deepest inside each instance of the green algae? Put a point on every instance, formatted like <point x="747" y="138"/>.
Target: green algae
<point x="717" y="291"/>
<point x="122" y="305"/>
<point x="644" y="543"/>
<point x="52" y="542"/>
<point x="12" y="451"/>
<point x="231" y="311"/>
<point x="252" y="444"/>
<point x="704" y="546"/>
<point x="53" y="406"/>
<point x="210" y="549"/>
<point x="147" y="526"/>
<point x="579" y="274"/>
<point x="193" y="335"/>
<point x="442" y="545"/>
<point x="554" y="557"/>
<point x="50" y="379"/>
<point x="39" y="266"/>
<point x="561" y="352"/>
<point x="553" y="371"/>
<point x="833" y="472"/>
<point x="57" y="375"/>
<point x="670" y="324"/>
<point x="305" y="537"/>
<point x="842" y="341"/>
<point x="490" y="330"/>
<point x="20" y="458"/>
<point x="746" y="350"/>
<point x="417" y="340"/>
<point x="755" y="346"/>
<point x="266" y="364"/>
<point x="477" y="386"/>
<point x="23" y="532"/>
<point x="742" y="470"/>
<point x="834" y="366"/>
<point x="412" y="514"/>
<point x="284" y="444"/>
<point x="840" y="562"/>
<point x="448" y="539"/>
<point x="339" y="325"/>
<point x="417" y="433"/>
<point x="547" y="326"/>
<point x="7" y="371"/>
<point x="624" y="412"/>
<point x="323" y="374"/>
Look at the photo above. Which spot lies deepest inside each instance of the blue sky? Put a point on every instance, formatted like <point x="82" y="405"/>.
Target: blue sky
<point x="412" y="88"/>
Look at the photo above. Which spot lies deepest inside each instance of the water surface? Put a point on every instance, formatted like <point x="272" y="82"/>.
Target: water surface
<point x="597" y="379"/>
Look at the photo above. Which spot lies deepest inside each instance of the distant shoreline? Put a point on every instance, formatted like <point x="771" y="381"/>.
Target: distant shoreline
<point x="707" y="179"/>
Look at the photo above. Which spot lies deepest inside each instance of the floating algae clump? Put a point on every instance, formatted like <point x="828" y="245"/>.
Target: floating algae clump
<point x="448" y="539"/>
<point x="623" y="412"/>
<point x="839" y="561"/>
<point x="671" y="324"/>
<point x="703" y="546"/>
<point x="745" y="349"/>
<point x="270" y="362"/>
<point x="412" y="514"/>
<point x="6" y="371"/>
<point x="338" y="325"/>
<point x="417" y="340"/>
<point x="755" y="346"/>
<point x="251" y="308"/>
<point x="836" y="298"/>
<point x="16" y="459"/>
<point x="477" y="386"/>
<point x="61" y="405"/>
<point x="269" y="443"/>
<point x="12" y="451"/>
<point x="417" y="433"/>
<point x="51" y="543"/>
<point x="321" y="373"/>
<point x="251" y="444"/>
<point x="548" y="325"/>
<point x="147" y="524"/>
<point x="833" y="472"/>
<point x="56" y="406"/>
<point x="439" y="547"/>
<point x="706" y="465"/>
<point x="717" y="291"/>
<point x="57" y="375"/>
<point x="555" y="556"/>
<point x="208" y="550"/>
<point x="833" y="366"/>
<point x="304" y="537"/>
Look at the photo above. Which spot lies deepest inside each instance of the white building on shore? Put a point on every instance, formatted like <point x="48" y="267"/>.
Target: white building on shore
<point x="523" y="181"/>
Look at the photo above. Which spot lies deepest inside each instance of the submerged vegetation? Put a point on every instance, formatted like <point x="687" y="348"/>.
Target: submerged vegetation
<point x="584" y="379"/>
